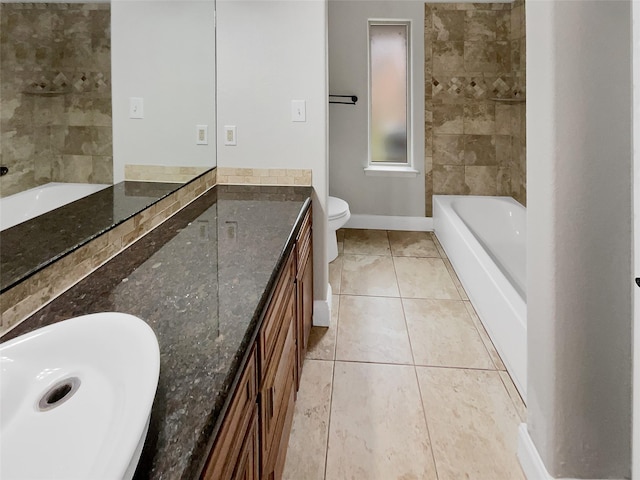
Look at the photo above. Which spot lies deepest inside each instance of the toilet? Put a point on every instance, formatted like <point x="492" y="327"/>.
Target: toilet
<point x="338" y="215"/>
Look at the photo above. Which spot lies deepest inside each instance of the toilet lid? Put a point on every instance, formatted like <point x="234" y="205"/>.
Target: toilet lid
<point x="337" y="207"/>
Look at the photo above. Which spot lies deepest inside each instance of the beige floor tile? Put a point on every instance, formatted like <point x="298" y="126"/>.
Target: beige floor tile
<point x="412" y="244"/>
<point x="438" y="245"/>
<point x="456" y="280"/>
<point x="368" y="275"/>
<point x="307" y="449"/>
<point x="322" y="340"/>
<point x="515" y="396"/>
<point x="377" y="429"/>
<point x="335" y="275"/>
<point x="372" y="329"/>
<point x="340" y="238"/>
<point x="424" y="278"/>
<point x="493" y="353"/>
<point x="472" y="422"/>
<point x="366" y="242"/>
<point x="443" y="334"/>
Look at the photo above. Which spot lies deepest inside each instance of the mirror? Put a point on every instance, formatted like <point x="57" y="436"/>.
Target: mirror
<point x="69" y="73"/>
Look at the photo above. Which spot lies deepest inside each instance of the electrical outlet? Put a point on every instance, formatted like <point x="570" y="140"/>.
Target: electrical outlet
<point x="230" y="135"/>
<point x="201" y="135"/>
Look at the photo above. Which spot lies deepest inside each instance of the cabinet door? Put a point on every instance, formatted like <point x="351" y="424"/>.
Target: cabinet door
<point x="248" y="467"/>
<point x="275" y="396"/>
<point x="237" y="422"/>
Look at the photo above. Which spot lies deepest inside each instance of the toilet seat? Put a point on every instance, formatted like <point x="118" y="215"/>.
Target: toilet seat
<point x="337" y="208"/>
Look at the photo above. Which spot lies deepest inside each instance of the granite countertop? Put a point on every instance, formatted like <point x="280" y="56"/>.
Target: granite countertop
<point x="201" y="281"/>
<point x="36" y="243"/>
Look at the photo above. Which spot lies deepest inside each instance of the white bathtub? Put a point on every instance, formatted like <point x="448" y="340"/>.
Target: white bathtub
<point x="26" y="205"/>
<point x="485" y="240"/>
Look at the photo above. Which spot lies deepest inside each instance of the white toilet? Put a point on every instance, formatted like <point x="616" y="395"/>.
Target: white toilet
<point x="338" y="215"/>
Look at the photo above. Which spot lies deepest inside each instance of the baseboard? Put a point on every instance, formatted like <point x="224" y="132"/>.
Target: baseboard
<point x="388" y="222"/>
<point x="322" y="310"/>
<point x="530" y="461"/>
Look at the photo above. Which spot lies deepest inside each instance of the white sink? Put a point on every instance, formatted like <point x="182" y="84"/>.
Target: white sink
<point x="76" y="397"/>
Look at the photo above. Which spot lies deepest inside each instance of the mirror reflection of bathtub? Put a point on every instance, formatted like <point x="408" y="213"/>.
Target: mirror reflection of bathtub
<point x="72" y="217"/>
<point x="485" y="240"/>
<point x="28" y="204"/>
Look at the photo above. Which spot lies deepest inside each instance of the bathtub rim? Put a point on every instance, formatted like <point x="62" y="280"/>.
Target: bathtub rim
<point x="501" y="309"/>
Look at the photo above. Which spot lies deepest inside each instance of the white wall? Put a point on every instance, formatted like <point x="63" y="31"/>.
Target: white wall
<point x="348" y="125"/>
<point x="636" y="239"/>
<point x="269" y="53"/>
<point x="579" y="236"/>
<point x="163" y="51"/>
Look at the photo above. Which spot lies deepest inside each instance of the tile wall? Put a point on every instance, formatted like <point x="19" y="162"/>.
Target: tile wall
<point x="55" y="98"/>
<point x="474" y="144"/>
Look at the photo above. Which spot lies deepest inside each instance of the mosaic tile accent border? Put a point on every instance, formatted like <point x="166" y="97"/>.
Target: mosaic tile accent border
<point x="29" y="296"/>
<point x="264" y="176"/>
<point x="161" y="173"/>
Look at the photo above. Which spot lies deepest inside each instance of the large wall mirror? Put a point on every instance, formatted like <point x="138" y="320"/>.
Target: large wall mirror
<point x="69" y="75"/>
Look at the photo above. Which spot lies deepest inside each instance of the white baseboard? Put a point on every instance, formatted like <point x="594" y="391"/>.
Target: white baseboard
<point x="322" y="310"/>
<point x="388" y="222"/>
<point x="530" y="460"/>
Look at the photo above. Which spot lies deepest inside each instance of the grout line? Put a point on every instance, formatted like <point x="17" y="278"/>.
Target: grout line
<point x="333" y="379"/>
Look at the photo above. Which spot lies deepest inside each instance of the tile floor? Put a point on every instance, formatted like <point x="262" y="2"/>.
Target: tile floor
<point x="405" y="383"/>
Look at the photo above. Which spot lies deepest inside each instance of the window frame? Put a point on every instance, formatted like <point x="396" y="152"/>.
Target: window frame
<point x="391" y="168"/>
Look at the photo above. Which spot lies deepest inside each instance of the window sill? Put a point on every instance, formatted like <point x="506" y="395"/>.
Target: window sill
<point x="390" y="171"/>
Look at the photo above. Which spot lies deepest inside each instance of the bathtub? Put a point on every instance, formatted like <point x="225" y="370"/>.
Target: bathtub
<point x="485" y="240"/>
<point x="26" y="205"/>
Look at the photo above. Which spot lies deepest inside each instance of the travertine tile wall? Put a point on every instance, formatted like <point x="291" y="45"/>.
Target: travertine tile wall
<point x="27" y="297"/>
<point x="55" y="97"/>
<point x="162" y="173"/>
<point x="518" y="158"/>
<point x="264" y="176"/>
<point x="472" y="57"/>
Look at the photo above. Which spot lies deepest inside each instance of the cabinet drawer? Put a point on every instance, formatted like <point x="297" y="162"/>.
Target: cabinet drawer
<point x="303" y="241"/>
<point x="228" y="445"/>
<point x="274" y="317"/>
<point x="276" y="387"/>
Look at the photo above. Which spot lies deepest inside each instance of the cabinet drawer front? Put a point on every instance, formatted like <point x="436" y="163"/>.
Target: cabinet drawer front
<point x="303" y="242"/>
<point x="274" y="317"/>
<point x="274" y="391"/>
<point x="228" y="444"/>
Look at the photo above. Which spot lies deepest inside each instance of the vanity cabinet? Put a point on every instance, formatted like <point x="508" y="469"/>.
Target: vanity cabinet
<point x="238" y="437"/>
<point x="252" y="441"/>
<point x="304" y="291"/>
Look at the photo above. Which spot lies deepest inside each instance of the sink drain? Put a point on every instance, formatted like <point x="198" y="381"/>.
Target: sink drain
<point x="59" y="393"/>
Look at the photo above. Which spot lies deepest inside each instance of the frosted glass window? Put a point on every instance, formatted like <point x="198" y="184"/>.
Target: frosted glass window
<point x="388" y="49"/>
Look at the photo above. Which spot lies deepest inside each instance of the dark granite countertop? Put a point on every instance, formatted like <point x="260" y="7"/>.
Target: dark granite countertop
<point x="201" y="281"/>
<point x="36" y="243"/>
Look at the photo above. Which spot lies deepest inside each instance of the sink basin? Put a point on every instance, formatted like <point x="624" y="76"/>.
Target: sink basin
<point x="76" y="397"/>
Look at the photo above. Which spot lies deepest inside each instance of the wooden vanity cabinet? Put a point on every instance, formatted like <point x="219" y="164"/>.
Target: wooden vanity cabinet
<point x="304" y="291"/>
<point x="252" y="442"/>
<point x="238" y="437"/>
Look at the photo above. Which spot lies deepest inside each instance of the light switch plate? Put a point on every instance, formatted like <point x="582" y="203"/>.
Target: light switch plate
<point x="136" y="107"/>
<point x="298" y="111"/>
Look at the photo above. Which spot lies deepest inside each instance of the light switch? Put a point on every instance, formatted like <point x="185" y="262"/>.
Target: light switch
<point x="298" y="111"/>
<point x="230" y="136"/>
<point x="136" y="107"/>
